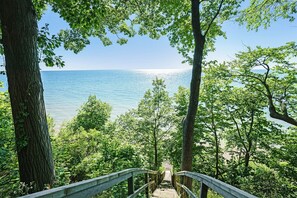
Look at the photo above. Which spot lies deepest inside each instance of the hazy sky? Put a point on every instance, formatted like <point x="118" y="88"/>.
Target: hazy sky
<point x="145" y="53"/>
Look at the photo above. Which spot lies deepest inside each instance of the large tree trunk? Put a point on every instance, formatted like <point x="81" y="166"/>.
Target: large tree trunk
<point x="188" y="128"/>
<point x="19" y="32"/>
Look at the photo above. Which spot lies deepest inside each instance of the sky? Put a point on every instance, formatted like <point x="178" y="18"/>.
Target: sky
<point x="142" y="52"/>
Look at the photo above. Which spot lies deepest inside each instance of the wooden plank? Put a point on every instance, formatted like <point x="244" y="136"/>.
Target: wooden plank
<point x="130" y="186"/>
<point x="203" y="190"/>
<point x="147" y="180"/>
<point x="165" y="189"/>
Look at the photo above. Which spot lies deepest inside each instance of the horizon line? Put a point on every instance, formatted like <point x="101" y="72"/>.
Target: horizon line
<point x="117" y="69"/>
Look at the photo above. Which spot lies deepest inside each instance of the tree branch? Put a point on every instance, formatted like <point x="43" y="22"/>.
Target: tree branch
<point x="237" y="129"/>
<point x="214" y="17"/>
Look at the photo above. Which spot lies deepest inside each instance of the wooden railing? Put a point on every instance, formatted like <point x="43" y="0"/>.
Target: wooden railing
<point x="152" y="179"/>
<point x="206" y="182"/>
<point x="97" y="185"/>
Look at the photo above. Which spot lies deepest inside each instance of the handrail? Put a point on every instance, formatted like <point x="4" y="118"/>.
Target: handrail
<point x="142" y="188"/>
<point x="189" y="192"/>
<point x="95" y="186"/>
<point x="218" y="186"/>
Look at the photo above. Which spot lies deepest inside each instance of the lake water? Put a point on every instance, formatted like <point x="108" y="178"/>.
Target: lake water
<point x="66" y="91"/>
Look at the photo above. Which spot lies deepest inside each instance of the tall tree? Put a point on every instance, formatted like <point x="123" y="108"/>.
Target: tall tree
<point x="212" y="118"/>
<point x="175" y="19"/>
<point x="250" y="131"/>
<point x="19" y="38"/>
<point x="180" y="104"/>
<point x="150" y="125"/>
<point x="205" y="19"/>
<point x="155" y="110"/>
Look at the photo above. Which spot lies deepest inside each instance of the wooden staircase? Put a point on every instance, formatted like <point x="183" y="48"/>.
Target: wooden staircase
<point x="161" y="185"/>
<point x="165" y="189"/>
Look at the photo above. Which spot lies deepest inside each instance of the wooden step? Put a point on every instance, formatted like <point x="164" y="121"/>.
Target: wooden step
<point x="165" y="189"/>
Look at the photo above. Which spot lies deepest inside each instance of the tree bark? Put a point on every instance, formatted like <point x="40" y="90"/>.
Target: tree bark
<point x="250" y="143"/>
<point x="272" y="110"/>
<point x="19" y="38"/>
<point x="247" y="157"/>
<point x="217" y="156"/>
<point x="216" y="144"/>
<point x="155" y="150"/>
<point x="276" y="115"/>
<point x="188" y="128"/>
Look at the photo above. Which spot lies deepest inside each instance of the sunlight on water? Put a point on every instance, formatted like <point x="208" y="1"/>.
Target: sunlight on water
<point x="162" y="71"/>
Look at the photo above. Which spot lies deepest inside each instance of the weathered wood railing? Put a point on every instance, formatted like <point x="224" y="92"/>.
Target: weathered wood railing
<point x="97" y="185"/>
<point x="206" y="182"/>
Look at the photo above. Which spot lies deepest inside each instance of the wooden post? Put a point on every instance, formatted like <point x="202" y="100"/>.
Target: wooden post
<point x="181" y="189"/>
<point x="152" y="178"/>
<point x="203" y="190"/>
<point x="147" y="180"/>
<point x="183" y="193"/>
<point x="173" y="181"/>
<point x="155" y="182"/>
<point x="130" y="185"/>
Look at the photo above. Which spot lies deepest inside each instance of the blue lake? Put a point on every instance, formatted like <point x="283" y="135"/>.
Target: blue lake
<point x="66" y="91"/>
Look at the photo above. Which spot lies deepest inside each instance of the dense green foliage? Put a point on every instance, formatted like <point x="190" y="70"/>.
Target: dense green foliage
<point x="234" y="117"/>
<point x="149" y="125"/>
<point x="9" y="170"/>
<point x="277" y="80"/>
<point x="94" y="114"/>
<point x="263" y="12"/>
<point x="86" y="146"/>
<point x="234" y="140"/>
<point x="8" y="159"/>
